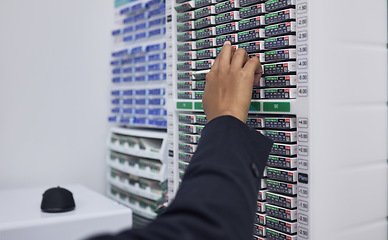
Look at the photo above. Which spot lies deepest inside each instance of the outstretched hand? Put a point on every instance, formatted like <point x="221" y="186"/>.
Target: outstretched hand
<point x="228" y="89"/>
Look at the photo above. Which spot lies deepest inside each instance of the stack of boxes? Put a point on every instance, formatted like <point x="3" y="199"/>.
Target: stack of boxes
<point x="137" y="171"/>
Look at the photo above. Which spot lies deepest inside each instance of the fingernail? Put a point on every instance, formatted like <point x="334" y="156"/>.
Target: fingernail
<point x="227" y="42"/>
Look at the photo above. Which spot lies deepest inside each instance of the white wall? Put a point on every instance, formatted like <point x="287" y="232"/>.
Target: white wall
<point x="54" y="91"/>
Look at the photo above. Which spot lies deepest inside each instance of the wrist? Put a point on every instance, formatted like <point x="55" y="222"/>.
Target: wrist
<point x="242" y="118"/>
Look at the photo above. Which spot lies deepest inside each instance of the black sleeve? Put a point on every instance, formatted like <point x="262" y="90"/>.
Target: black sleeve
<point x="217" y="197"/>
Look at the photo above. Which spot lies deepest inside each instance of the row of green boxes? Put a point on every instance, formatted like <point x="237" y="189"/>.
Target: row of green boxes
<point x="255" y="106"/>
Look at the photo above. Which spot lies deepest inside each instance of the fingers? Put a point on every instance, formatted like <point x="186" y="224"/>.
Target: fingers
<point x="233" y="51"/>
<point x="240" y="57"/>
<point x="253" y="66"/>
<point x="256" y="79"/>
<point x="216" y="63"/>
<point x="225" y="55"/>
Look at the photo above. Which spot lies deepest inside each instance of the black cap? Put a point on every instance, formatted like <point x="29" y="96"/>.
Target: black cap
<point x="56" y="200"/>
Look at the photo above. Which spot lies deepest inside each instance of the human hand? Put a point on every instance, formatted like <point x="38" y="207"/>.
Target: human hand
<point x="228" y="89"/>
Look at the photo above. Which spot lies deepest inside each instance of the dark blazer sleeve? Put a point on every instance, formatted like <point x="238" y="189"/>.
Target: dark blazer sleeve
<point x="217" y="197"/>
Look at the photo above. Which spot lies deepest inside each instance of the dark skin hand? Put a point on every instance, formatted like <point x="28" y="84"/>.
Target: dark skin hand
<point x="229" y="84"/>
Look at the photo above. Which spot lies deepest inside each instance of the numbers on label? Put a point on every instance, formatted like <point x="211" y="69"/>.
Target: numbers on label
<point x="303" y="150"/>
<point x="302" y="136"/>
<point x="302" y="77"/>
<point x="302" y="91"/>
<point x="302" y="205"/>
<point x="302" y="63"/>
<point x="302" y="50"/>
<point x="303" y="164"/>
<point x="302" y="22"/>
<point x="302" y="8"/>
<point x="303" y="232"/>
<point x="302" y="36"/>
<point x="303" y="122"/>
<point x="303" y="219"/>
<point x="303" y="192"/>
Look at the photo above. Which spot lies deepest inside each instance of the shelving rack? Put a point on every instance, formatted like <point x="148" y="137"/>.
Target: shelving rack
<point x="136" y="162"/>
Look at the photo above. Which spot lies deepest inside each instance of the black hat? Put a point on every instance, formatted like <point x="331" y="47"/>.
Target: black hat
<point x="56" y="200"/>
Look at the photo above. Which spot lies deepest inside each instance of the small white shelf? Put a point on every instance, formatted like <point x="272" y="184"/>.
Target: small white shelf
<point x="134" y="189"/>
<point x="137" y="144"/>
<point x="153" y="141"/>
<point x="136" y="170"/>
<point x="135" y="151"/>
<point x="136" y="208"/>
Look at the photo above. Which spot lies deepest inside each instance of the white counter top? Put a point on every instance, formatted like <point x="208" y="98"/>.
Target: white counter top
<point x="22" y="218"/>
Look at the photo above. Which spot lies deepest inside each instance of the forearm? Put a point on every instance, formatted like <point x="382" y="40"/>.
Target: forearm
<point x="220" y="186"/>
<point x="217" y="197"/>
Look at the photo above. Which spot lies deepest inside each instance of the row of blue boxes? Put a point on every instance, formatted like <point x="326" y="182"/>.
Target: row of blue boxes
<point x="140" y="111"/>
<point x="146" y="57"/>
<point x="140" y="26"/>
<point x="140" y="78"/>
<point x="141" y="11"/>
<point x="139" y="58"/>
<point x="139" y="101"/>
<point x="156" y="32"/>
<point x="152" y="47"/>
<point x="140" y="68"/>
<point x="139" y="92"/>
<point x="139" y="121"/>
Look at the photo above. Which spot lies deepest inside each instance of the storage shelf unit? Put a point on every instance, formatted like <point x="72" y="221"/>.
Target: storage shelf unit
<point x="137" y="168"/>
<point x="140" y="206"/>
<point x="138" y="65"/>
<point x="124" y="182"/>
<point x="273" y="110"/>
<point x="136" y="162"/>
<point x="308" y="101"/>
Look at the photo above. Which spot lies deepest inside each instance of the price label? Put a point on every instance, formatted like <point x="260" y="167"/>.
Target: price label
<point x="302" y="91"/>
<point x="302" y="205"/>
<point x="302" y="63"/>
<point x="302" y="36"/>
<point x="302" y="49"/>
<point x="303" y="192"/>
<point x="303" y="232"/>
<point x="302" y="77"/>
<point x="304" y="219"/>
<point x="303" y="122"/>
<point x="303" y="136"/>
<point x="303" y="150"/>
<point x="302" y="8"/>
<point x="302" y="22"/>
<point x="303" y="164"/>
